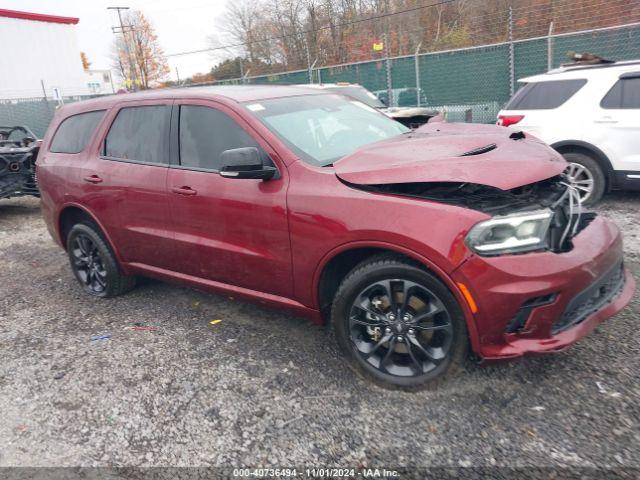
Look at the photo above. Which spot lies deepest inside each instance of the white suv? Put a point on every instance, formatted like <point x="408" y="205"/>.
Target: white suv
<point x="591" y="115"/>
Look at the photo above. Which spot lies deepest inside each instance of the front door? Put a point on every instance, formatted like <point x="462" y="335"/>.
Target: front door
<point x="233" y="231"/>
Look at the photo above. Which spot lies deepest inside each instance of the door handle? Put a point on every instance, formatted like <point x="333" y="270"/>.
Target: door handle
<point x="187" y="191"/>
<point x="606" y="120"/>
<point x="93" y="179"/>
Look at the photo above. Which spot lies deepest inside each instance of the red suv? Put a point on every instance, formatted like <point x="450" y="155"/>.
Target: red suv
<point x="413" y="245"/>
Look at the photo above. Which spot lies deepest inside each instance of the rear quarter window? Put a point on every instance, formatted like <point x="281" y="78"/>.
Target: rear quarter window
<point x="625" y="93"/>
<point x="544" y="95"/>
<point x="74" y="132"/>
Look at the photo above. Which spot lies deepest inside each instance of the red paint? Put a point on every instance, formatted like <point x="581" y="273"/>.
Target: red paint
<point x="38" y="17"/>
<point x="418" y="157"/>
<point x="269" y="241"/>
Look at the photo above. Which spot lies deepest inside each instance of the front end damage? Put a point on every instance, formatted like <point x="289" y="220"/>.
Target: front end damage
<point x="555" y="194"/>
<point x="18" y="152"/>
<point x="534" y="289"/>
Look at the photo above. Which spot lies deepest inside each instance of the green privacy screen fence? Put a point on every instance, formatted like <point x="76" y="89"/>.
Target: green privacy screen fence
<point x="477" y="79"/>
<point x="470" y="84"/>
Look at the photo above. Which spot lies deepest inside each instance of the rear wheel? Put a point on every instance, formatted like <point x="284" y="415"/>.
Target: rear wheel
<point x="586" y="176"/>
<point x="398" y="324"/>
<point x="94" y="264"/>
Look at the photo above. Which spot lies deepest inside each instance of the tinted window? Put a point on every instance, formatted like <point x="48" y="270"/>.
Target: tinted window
<point x="140" y="134"/>
<point x="74" y="133"/>
<point x="205" y="133"/>
<point x="544" y="95"/>
<point x="624" y="94"/>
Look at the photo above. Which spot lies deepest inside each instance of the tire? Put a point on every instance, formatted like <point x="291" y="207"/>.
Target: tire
<point x="362" y="345"/>
<point x="593" y="170"/>
<point x="93" y="263"/>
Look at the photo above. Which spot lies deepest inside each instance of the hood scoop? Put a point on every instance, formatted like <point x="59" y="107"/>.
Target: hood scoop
<point x="480" y="150"/>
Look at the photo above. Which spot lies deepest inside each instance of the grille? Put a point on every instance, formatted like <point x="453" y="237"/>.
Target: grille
<point x="596" y="296"/>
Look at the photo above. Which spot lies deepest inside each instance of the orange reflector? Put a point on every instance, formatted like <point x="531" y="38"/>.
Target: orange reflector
<point x="467" y="295"/>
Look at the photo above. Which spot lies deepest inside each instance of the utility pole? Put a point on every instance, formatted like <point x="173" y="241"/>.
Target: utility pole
<point x="132" y="66"/>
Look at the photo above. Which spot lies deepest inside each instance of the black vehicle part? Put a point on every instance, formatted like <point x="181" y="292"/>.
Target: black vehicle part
<point x="479" y="197"/>
<point x="18" y="152"/>
<point x="524" y="312"/>
<point x="480" y="150"/>
<point x="397" y="323"/>
<point x="592" y="299"/>
<point x="94" y="263"/>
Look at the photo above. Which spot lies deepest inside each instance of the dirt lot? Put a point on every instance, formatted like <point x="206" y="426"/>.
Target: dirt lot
<point x="264" y="388"/>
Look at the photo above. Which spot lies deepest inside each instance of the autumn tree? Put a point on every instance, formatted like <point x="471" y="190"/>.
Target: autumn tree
<point x="137" y="53"/>
<point x="85" y="61"/>
<point x="271" y="36"/>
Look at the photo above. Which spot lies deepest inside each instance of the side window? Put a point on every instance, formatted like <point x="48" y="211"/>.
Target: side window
<point x="625" y="93"/>
<point x="205" y="133"/>
<point x="544" y="95"/>
<point x="139" y="134"/>
<point x="74" y="132"/>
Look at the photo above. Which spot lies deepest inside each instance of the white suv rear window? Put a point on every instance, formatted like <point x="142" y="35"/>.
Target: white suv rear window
<point x="544" y="95"/>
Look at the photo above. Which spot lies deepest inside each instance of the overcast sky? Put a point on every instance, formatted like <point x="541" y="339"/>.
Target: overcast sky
<point x="181" y="26"/>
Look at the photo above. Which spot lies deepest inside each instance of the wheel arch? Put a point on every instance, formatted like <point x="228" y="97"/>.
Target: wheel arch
<point x="336" y="264"/>
<point x="73" y="213"/>
<point x="579" y="146"/>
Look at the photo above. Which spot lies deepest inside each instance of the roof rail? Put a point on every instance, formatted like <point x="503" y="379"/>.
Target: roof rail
<point x="572" y="67"/>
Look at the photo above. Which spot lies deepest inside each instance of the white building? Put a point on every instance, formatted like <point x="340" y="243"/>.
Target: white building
<point x="40" y="55"/>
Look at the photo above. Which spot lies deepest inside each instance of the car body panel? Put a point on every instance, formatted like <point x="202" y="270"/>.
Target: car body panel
<point x="434" y="154"/>
<point x="232" y="231"/>
<point x="501" y="285"/>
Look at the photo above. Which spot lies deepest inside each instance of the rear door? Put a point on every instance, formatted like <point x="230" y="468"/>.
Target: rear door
<point x="618" y="123"/>
<point x="233" y="231"/>
<point x="127" y="178"/>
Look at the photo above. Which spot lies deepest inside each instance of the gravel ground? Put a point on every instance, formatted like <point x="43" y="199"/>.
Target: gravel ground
<point x="263" y="388"/>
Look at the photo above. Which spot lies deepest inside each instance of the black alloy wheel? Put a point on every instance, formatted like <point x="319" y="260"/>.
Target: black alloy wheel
<point x="399" y="324"/>
<point x="93" y="262"/>
<point x="400" y="327"/>
<point x="88" y="264"/>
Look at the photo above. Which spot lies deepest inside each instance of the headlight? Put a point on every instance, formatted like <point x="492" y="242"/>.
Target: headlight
<point x="516" y="233"/>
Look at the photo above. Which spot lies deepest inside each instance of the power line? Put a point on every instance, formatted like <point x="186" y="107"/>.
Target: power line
<point x="126" y="41"/>
<point x="304" y="32"/>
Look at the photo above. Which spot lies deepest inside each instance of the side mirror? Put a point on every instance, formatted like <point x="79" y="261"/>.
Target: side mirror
<point x="245" y="162"/>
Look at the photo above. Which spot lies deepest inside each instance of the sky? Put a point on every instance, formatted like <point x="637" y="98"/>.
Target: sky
<point x="180" y="26"/>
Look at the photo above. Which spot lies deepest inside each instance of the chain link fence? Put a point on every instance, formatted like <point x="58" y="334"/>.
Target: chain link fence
<point x="468" y="72"/>
<point x="467" y="84"/>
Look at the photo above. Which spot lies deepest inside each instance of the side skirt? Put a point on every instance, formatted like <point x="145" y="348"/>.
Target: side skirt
<point x="261" y="298"/>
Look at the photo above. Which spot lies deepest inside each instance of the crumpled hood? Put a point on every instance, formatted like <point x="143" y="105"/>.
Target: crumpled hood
<point x="433" y="153"/>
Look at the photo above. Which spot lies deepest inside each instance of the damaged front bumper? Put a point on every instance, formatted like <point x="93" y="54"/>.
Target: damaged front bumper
<point x="543" y="302"/>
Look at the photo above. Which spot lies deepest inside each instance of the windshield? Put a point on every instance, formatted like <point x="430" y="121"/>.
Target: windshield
<point x="322" y="129"/>
<point x="359" y="93"/>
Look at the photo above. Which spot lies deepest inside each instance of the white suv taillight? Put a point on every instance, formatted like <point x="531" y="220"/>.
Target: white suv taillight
<point x="506" y="120"/>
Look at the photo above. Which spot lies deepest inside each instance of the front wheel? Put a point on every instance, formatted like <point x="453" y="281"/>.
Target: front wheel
<point x="398" y="324"/>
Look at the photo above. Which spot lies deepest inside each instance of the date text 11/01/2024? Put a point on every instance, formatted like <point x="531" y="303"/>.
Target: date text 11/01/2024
<point x="316" y="472"/>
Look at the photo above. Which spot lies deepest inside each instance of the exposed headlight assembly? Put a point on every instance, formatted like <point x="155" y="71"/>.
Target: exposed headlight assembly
<point x="523" y="232"/>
